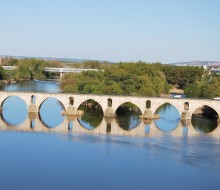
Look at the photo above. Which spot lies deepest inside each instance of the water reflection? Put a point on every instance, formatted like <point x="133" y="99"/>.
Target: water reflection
<point x="92" y="114"/>
<point x="128" y="116"/>
<point x="90" y="119"/>
<point x="70" y="125"/>
<point x="169" y="117"/>
<point x="205" y="119"/>
<point x="33" y="86"/>
<point x="147" y="129"/>
<point x="14" y="110"/>
<point x="204" y="125"/>
<point x="51" y="112"/>
<point x="128" y="121"/>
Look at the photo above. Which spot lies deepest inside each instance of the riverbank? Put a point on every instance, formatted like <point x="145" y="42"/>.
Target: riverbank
<point x="176" y="91"/>
<point x="5" y="82"/>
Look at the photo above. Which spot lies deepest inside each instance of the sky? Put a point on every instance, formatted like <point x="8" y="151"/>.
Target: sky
<point x="166" y="31"/>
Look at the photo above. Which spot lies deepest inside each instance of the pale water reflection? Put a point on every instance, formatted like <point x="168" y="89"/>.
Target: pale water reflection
<point x="50" y="161"/>
<point x="169" y="117"/>
<point x="51" y="112"/>
<point x="14" y="110"/>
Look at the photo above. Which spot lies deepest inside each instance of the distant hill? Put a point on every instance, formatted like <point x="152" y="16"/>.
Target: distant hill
<point x="48" y="58"/>
<point x="197" y="63"/>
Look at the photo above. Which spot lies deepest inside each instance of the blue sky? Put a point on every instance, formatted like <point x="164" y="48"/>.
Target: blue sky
<point x="115" y="30"/>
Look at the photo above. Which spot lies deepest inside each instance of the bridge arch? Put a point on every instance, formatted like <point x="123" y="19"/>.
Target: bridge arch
<point x="46" y="114"/>
<point x="79" y="99"/>
<point x="3" y="101"/>
<point x="41" y="100"/>
<point x="86" y="101"/>
<point x="60" y="101"/>
<point x="169" y="117"/>
<point x="129" y="102"/>
<point x="205" y="119"/>
<point x="127" y="116"/>
<point x="210" y="107"/>
<point x="168" y="103"/>
<point x="91" y="114"/>
<point x="15" y="112"/>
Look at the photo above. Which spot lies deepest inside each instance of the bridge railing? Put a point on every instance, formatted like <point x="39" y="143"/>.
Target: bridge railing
<point x="56" y="70"/>
<point x="67" y="70"/>
<point x="9" y="68"/>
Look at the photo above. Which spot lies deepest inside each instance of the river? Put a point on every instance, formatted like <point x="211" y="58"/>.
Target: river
<point x="52" y="160"/>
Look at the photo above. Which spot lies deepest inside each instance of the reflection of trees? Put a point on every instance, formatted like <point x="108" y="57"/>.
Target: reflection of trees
<point x="205" y="119"/>
<point x="93" y="119"/>
<point x="206" y="112"/>
<point x="128" y="121"/>
<point x="93" y="114"/>
<point x="128" y="116"/>
<point x="204" y="125"/>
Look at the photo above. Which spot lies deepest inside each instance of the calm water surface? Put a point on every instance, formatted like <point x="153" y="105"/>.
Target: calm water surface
<point x="40" y="160"/>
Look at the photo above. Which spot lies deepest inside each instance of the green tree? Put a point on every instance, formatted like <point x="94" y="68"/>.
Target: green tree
<point x="2" y="73"/>
<point x="182" y="76"/>
<point x="31" y="69"/>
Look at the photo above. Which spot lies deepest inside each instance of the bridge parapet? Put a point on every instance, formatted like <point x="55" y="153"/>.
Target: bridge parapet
<point x="9" y="68"/>
<point x="68" y="70"/>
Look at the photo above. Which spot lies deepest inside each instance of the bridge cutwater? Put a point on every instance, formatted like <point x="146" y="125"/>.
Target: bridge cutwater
<point x="56" y="70"/>
<point x="71" y="103"/>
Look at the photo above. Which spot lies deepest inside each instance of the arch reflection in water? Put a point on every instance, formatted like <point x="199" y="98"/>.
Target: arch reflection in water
<point x="51" y="112"/>
<point x="169" y="117"/>
<point x="147" y="129"/>
<point x="205" y="119"/>
<point x="93" y="114"/>
<point x="14" y="110"/>
<point x="128" y="116"/>
<point x="70" y="125"/>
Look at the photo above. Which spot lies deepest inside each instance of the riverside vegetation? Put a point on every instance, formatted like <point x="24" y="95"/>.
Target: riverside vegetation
<point x="139" y="79"/>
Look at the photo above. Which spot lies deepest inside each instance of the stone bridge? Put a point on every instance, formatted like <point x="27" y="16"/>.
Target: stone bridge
<point x="71" y="102"/>
<point x="108" y="125"/>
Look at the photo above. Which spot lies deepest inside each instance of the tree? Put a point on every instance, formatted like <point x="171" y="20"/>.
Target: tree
<point x="10" y="61"/>
<point x="119" y="79"/>
<point x="182" y="76"/>
<point x="31" y="69"/>
<point x="2" y="73"/>
<point x="207" y="87"/>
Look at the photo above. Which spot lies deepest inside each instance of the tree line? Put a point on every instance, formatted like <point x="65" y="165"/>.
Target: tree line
<point x="28" y="69"/>
<point x="142" y="79"/>
<point x="124" y="78"/>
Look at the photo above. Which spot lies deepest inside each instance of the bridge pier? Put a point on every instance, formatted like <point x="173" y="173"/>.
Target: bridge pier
<point x="61" y="75"/>
<point x="186" y="114"/>
<point x="109" y="112"/>
<point x="72" y="111"/>
<point x="33" y="108"/>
